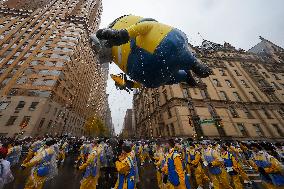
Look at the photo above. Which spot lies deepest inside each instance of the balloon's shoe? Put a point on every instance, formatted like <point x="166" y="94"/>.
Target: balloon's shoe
<point x="201" y="70"/>
<point x="107" y="33"/>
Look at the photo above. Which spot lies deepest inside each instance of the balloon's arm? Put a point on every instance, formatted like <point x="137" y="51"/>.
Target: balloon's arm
<point x="136" y="85"/>
<point x="118" y="80"/>
<point x="141" y="28"/>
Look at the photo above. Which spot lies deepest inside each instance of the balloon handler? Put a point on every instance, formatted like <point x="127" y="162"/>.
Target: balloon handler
<point x="152" y="54"/>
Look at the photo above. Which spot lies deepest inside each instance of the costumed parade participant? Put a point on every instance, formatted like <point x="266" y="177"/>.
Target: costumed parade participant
<point x="91" y="170"/>
<point x="270" y="169"/>
<point x="14" y="153"/>
<point x="213" y="161"/>
<point x="63" y="150"/>
<point x="84" y="152"/>
<point x="232" y="167"/>
<point x="126" y="169"/>
<point x="43" y="165"/>
<point x="33" y="150"/>
<point x="5" y="171"/>
<point x="152" y="54"/>
<point x="194" y="166"/>
<point x="159" y="163"/>
<point x="175" y="169"/>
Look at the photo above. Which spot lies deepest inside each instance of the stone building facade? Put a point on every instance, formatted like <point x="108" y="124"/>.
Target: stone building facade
<point x="243" y="99"/>
<point x="50" y="81"/>
<point x="128" y="124"/>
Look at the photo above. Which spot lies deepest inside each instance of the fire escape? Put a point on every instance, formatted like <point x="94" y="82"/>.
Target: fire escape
<point x="214" y="114"/>
<point x="218" y="120"/>
<point x="259" y="79"/>
<point x="195" y="118"/>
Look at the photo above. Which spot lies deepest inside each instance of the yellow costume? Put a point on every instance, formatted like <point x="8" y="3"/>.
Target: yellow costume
<point x="159" y="158"/>
<point x="91" y="169"/>
<point x="194" y="166"/>
<point x="126" y="172"/>
<point x="270" y="165"/>
<point x="175" y="167"/>
<point x="233" y="168"/>
<point x="42" y="161"/>
<point x="217" y="174"/>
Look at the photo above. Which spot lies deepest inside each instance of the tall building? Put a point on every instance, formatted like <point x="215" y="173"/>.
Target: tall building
<point x="108" y="120"/>
<point x="50" y="81"/>
<point x="243" y="99"/>
<point x="127" y="130"/>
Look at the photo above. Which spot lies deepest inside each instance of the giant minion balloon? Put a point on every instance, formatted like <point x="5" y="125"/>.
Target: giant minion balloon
<point x="150" y="53"/>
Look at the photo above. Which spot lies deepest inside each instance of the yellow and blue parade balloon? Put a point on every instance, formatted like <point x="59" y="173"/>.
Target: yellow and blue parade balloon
<point x="152" y="54"/>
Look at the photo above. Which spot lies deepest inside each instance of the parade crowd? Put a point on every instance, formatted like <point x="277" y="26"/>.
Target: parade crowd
<point x="113" y="163"/>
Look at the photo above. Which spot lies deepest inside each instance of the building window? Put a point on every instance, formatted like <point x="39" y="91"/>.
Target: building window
<point x="281" y="112"/>
<point x="33" y="106"/>
<point x="165" y="95"/>
<point x="4" y="104"/>
<point x="237" y="96"/>
<point x="173" y="130"/>
<point x="217" y="83"/>
<point x="222" y="72"/>
<point x="237" y="73"/>
<point x="277" y="129"/>
<point x="233" y="111"/>
<point x="49" y="124"/>
<point x="41" y="122"/>
<point x="244" y="83"/>
<point x="185" y="92"/>
<point x="223" y="95"/>
<point x="247" y="112"/>
<point x="48" y="108"/>
<point x="204" y="94"/>
<point x="276" y="76"/>
<point x="55" y="111"/>
<point x="25" y="121"/>
<point x="258" y="66"/>
<point x="229" y="83"/>
<point x="262" y="83"/>
<point x="168" y="130"/>
<point x="258" y="130"/>
<point x="231" y="64"/>
<point x="211" y="110"/>
<point x="169" y="113"/>
<point x="20" y="105"/>
<point x="272" y="97"/>
<point x="275" y="86"/>
<point x="265" y="74"/>
<point x="242" y="129"/>
<point x="11" y="120"/>
<point x="266" y="113"/>
<point x="253" y="96"/>
<point x="157" y="132"/>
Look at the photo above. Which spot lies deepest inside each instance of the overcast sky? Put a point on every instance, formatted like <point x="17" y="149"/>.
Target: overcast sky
<point x="238" y="22"/>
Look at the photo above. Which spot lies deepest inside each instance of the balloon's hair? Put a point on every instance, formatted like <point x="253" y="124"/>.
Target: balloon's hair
<point x="114" y="22"/>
